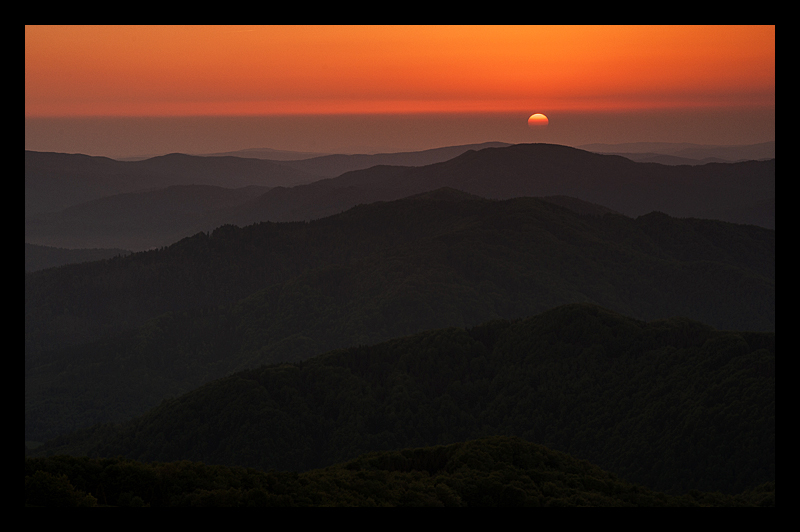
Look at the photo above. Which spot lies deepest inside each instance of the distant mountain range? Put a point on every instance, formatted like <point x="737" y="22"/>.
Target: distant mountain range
<point x="55" y="181"/>
<point x="336" y="165"/>
<point x="332" y="165"/>
<point x="685" y="153"/>
<point x="734" y="192"/>
<point x="266" y="153"/>
<point x="671" y="153"/>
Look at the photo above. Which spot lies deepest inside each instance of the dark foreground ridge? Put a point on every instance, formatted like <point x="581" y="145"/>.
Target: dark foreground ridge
<point x="505" y="472"/>
<point x="671" y="404"/>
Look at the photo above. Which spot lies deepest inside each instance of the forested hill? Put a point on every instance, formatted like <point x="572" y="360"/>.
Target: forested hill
<point x="124" y="333"/>
<point x="671" y="404"/>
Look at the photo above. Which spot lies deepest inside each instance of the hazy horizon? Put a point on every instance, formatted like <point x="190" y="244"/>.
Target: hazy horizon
<point x="123" y="137"/>
<point x="133" y="91"/>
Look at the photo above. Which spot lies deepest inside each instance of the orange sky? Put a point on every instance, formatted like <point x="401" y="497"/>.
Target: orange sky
<point x="255" y="70"/>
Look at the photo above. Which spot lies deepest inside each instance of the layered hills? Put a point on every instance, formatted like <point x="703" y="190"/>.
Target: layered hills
<point x="735" y="192"/>
<point x="332" y="165"/>
<point x="624" y="315"/>
<point x="55" y="181"/>
<point x="124" y="333"/>
<point x="671" y="404"/>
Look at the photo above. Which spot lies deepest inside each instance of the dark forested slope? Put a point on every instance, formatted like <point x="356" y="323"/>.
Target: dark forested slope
<point x="491" y="472"/>
<point x="671" y="404"/>
<point x="267" y="293"/>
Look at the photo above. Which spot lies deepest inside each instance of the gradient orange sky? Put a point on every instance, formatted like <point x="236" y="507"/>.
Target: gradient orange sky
<point x="243" y="70"/>
<point x="190" y="71"/>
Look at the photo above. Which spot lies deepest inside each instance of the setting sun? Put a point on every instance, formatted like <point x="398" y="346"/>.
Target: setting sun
<point x="538" y="120"/>
<point x="139" y="89"/>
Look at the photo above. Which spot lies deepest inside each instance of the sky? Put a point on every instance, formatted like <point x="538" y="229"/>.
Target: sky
<point x="125" y="91"/>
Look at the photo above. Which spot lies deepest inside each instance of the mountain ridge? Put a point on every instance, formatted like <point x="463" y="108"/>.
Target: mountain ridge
<point x="734" y="192"/>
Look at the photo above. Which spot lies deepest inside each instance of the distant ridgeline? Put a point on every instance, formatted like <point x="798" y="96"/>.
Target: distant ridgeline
<point x="670" y="404"/>
<point x="75" y="201"/>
